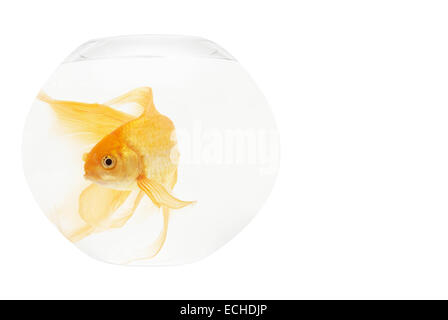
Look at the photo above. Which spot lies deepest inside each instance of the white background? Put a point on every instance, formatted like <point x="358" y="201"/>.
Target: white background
<point x="359" y="90"/>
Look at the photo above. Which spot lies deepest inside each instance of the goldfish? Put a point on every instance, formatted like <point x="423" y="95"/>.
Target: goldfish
<point x="129" y="153"/>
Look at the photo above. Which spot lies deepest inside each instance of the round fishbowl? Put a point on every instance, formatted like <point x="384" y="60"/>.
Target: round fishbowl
<point x="150" y="150"/>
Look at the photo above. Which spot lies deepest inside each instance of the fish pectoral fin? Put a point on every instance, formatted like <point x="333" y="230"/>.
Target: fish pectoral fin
<point x="90" y="122"/>
<point x="141" y="96"/>
<point x="97" y="204"/>
<point x="159" y="195"/>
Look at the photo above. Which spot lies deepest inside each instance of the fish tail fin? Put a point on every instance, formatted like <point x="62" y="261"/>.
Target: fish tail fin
<point x="80" y="233"/>
<point x="44" y="97"/>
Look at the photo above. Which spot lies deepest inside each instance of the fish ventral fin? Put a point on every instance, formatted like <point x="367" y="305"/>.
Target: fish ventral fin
<point x="159" y="195"/>
<point x="97" y="204"/>
<point x="142" y="96"/>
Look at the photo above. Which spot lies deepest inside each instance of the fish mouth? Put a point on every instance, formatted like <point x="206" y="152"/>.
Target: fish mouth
<point x="93" y="179"/>
<point x="88" y="177"/>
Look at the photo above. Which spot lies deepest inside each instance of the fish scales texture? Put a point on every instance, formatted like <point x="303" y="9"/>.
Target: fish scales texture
<point x="152" y="137"/>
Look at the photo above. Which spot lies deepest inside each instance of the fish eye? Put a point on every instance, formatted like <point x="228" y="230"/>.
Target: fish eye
<point x="108" y="162"/>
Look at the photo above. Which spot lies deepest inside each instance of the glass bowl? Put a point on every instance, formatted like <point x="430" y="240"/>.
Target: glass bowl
<point x="168" y="189"/>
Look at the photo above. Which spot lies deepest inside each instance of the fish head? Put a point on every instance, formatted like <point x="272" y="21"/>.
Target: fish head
<point x="112" y="164"/>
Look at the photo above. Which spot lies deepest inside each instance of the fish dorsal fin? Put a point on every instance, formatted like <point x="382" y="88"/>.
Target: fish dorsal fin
<point x="90" y="122"/>
<point x="142" y="96"/>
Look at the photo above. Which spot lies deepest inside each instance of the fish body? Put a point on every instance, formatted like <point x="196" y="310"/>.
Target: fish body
<point x="131" y="154"/>
<point x="147" y="146"/>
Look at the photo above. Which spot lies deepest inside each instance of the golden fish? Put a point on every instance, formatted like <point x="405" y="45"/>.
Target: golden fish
<point x="132" y="154"/>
